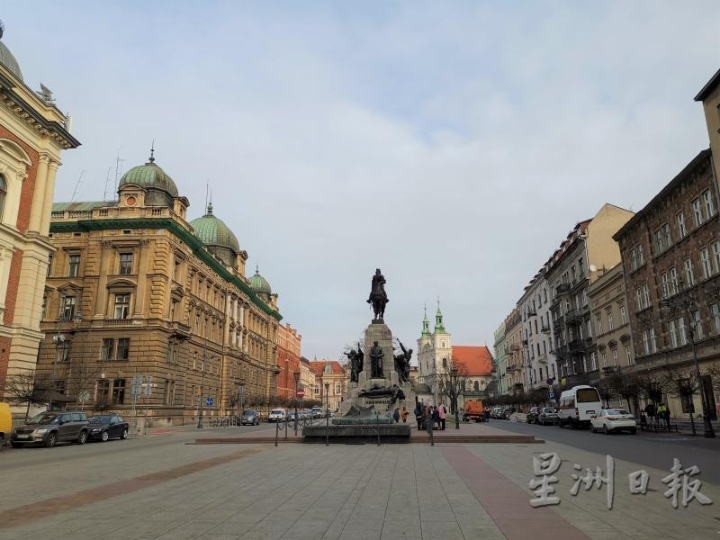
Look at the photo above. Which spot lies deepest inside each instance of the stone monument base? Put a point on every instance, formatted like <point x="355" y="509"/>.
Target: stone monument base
<point x="357" y="433"/>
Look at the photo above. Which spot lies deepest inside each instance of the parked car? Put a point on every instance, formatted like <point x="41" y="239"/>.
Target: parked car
<point x="609" y="420"/>
<point x="107" y="426"/>
<point x="250" y="418"/>
<point x="532" y="415"/>
<point x="51" y="427"/>
<point x="277" y="415"/>
<point x="547" y="415"/>
<point x="318" y="412"/>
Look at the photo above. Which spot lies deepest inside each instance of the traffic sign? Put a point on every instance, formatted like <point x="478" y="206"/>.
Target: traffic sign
<point x="83" y="396"/>
<point x="551" y="395"/>
<point x="209" y="401"/>
<point x="300" y="393"/>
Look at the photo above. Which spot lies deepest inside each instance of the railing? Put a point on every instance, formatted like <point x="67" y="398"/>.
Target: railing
<point x="576" y="345"/>
<point x="118" y="322"/>
<point x="563" y="288"/>
<point x="111" y="212"/>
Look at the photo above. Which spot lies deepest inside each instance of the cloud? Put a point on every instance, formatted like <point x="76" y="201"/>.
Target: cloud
<point x="452" y="145"/>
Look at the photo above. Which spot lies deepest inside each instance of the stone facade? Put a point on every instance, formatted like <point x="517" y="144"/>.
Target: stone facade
<point x="671" y="257"/>
<point x="534" y="307"/>
<point x="434" y="353"/>
<point x="133" y="291"/>
<point x="501" y="354"/>
<point x="288" y="359"/>
<point x="517" y="375"/>
<point x="33" y="133"/>
<point x="331" y="383"/>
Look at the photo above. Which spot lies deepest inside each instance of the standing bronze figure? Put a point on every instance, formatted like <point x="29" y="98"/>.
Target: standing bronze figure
<point x="376" y="361"/>
<point x="378" y="298"/>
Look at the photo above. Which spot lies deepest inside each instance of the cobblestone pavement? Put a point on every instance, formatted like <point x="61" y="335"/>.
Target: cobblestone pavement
<point x="171" y="490"/>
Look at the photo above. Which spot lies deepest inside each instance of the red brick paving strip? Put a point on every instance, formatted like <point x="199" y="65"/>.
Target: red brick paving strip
<point x="507" y="504"/>
<point x="57" y="505"/>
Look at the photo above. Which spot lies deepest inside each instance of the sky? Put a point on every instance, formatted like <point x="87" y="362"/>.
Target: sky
<point x="451" y="144"/>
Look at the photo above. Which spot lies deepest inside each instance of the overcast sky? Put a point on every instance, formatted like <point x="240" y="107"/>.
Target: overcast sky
<point x="451" y="144"/>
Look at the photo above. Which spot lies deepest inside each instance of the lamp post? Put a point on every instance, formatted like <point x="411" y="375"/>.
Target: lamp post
<point x="454" y="394"/>
<point x="327" y="414"/>
<point x="202" y="390"/>
<point x="686" y="307"/>
<point x="241" y="396"/>
<point x="59" y="342"/>
<point x="296" y="374"/>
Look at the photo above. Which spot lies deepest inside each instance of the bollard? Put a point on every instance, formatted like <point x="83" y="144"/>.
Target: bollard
<point x="277" y="430"/>
<point x="327" y="430"/>
<point x="286" y="428"/>
<point x="377" y="422"/>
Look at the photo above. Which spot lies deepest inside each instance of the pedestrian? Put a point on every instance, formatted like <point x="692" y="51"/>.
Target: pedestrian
<point x="651" y="415"/>
<point x="442" y="414"/>
<point x="427" y="418"/>
<point x="435" y="418"/>
<point x="664" y="415"/>
<point x="418" y="414"/>
<point x="396" y="415"/>
<point x="404" y="414"/>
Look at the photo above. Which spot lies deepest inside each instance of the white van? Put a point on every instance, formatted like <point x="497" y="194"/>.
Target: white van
<point x="277" y="415"/>
<point x="578" y="405"/>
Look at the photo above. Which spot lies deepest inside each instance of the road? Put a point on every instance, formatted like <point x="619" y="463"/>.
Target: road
<point x="647" y="449"/>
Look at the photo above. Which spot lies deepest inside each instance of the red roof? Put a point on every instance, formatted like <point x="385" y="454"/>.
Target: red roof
<point x="477" y="360"/>
<point x="318" y="366"/>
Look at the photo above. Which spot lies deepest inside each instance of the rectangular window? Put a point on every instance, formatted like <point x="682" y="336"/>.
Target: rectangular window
<point x="653" y="341"/>
<point x="706" y="263"/>
<point x="593" y="361"/>
<point x="697" y="325"/>
<point x="628" y="355"/>
<point x="73" y="265"/>
<point x="169" y="397"/>
<point x="67" y="311"/>
<point x="611" y="324"/>
<point x="638" y="299"/>
<point x="715" y="316"/>
<point x="674" y="283"/>
<point x="623" y="315"/>
<point x="665" y="285"/>
<point x="708" y="203"/>
<point x="697" y="212"/>
<point x="107" y="352"/>
<point x="689" y="274"/>
<point x="615" y="357"/>
<point x="126" y="264"/>
<point x="682" y="231"/>
<point x="122" y="306"/>
<point x="681" y="331"/>
<point x="123" y="349"/>
<point x="673" y="334"/>
<point x="716" y="255"/>
<point x="118" y="392"/>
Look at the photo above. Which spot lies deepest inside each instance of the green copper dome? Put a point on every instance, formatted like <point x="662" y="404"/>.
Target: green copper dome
<point x="260" y="284"/>
<point x="213" y="231"/>
<point x="8" y="60"/>
<point x="150" y="176"/>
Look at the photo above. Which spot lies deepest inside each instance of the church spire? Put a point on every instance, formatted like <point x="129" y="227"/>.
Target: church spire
<point x="439" y="326"/>
<point x="426" y="325"/>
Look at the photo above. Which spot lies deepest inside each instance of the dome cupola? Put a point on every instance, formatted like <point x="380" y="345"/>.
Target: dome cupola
<point x="150" y="177"/>
<point x="260" y="285"/>
<point x="6" y="57"/>
<point x="217" y="236"/>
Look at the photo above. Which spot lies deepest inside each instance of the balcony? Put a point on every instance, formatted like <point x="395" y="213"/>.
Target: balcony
<point x="542" y="359"/>
<point x="545" y="328"/>
<point x="558" y="324"/>
<point x="576" y="346"/>
<point x="531" y="312"/>
<point x="576" y="284"/>
<point x="574" y="316"/>
<point x="563" y="288"/>
<point x="515" y="347"/>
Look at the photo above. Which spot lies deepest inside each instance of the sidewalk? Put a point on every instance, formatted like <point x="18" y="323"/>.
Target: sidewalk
<point x="348" y="492"/>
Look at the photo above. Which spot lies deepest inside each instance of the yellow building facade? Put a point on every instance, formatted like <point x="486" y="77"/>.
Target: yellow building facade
<point x="151" y="315"/>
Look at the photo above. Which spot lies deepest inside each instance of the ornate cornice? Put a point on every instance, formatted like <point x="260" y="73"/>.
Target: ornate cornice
<point x="173" y="227"/>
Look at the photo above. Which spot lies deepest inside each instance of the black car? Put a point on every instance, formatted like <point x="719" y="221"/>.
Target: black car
<point x="250" y="417"/>
<point x="106" y="427"/>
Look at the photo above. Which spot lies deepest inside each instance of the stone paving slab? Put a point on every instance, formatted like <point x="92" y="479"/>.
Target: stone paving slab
<point x="464" y="491"/>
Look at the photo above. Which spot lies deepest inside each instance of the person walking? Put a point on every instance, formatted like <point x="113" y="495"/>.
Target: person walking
<point x="404" y="414"/>
<point x="651" y="415"/>
<point x="396" y="415"/>
<point x="442" y="414"/>
<point x="664" y="415"/>
<point x="419" y="409"/>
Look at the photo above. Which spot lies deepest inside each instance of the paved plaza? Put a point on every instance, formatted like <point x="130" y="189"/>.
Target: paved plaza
<point x="161" y="487"/>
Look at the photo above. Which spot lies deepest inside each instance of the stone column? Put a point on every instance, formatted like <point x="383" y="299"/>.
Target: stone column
<point x="40" y="193"/>
<point x="49" y="193"/>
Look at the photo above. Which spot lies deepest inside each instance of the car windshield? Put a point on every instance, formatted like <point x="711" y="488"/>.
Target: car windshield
<point x="43" y="418"/>
<point x="587" y="395"/>
<point x="99" y="419"/>
<point x="277" y="411"/>
<point x="249" y="413"/>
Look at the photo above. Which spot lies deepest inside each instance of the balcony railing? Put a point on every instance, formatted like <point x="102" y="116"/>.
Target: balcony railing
<point x="563" y="288"/>
<point x="545" y="328"/>
<point x="574" y="316"/>
<point x="576" y="345"/>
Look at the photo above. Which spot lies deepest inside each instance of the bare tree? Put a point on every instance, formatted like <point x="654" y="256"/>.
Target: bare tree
<point x="26" y="388"/>
<point x="684" y="384"/>
<point x="452" y="380"/>
<point x="627" y="387"/>
<point x="606" y="390"/>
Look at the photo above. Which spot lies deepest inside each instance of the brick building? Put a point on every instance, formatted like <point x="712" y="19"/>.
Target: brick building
<point x="671" y="259"/>
<point x="33" y="133"/>
<point x="288" y="360"/>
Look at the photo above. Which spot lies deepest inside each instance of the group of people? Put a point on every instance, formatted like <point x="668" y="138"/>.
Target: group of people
<point x="430" y="416"/>
<point x="398" y="415"/>
<point x="655" y="416"/>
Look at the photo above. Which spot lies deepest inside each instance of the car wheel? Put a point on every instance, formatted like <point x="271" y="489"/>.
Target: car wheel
<point x="51" y="440"/>
<point x="125" y="433"/>
<point x="104" y="436"/>
<point x="633" y="431"/>
<point x="15" y="445"/>
<point x="605" y="429"/>
<point x="82" y="437"/>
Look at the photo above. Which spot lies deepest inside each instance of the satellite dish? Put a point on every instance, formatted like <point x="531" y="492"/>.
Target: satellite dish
<point x="593" y="268"/>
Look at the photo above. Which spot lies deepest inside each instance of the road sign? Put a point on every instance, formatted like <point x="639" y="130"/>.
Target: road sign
<point x="148" y="386"/>
<point x="209" y="401"/>
<point x="136" y="385"/>
<point x="300" y="393"/>
<point x="551" y="395"/>
<point x="83" y="396"/>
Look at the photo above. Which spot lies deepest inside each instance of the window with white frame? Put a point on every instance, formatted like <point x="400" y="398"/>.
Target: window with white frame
<point x="663" y="239"/>
<point x="615" y="357"/>
<point x="682" y="231"/>
<point x="611" y="323"/>
<point x="598" y="323"/>
<point x="681" y="331"/>
<point x="67" y="308"/>
<point x="697" y="325"/>
<point x="637" y="257"/>
<point x="697" y="212"/>
<point x="593" y="361"/>
<point x="672" y="329"/>
<point x="716" y="255"/>
<point x="706" y="263"/>
<point x="708" y="203"/>
<point x="122" y="306"/>
<point x="628" y="355"/>
<point x="623" y="315"/>
<point x="665" y="285"/>
<point x="715" y="316"/>
<point x="674" y="282"/>
<point x="689" y="274"/>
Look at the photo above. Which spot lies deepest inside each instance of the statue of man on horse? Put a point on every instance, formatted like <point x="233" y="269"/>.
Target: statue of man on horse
<point x="378" y="298"/>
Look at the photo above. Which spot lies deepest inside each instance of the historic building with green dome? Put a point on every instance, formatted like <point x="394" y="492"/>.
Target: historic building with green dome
<point x="143" y="291"/>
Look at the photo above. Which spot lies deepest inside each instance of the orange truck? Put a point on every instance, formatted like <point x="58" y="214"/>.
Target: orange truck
<point x="474" y="410"/>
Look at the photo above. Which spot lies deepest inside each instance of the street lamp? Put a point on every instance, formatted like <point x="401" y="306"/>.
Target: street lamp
<point x="59" y="340"/>
<point x="296" y="374"/>
<point x="454" y="394"/>
<point x="686" y="307"/>
<point x="202" y="389"/>
<point x="241" y="396"/>
<point x="327" y="414"/>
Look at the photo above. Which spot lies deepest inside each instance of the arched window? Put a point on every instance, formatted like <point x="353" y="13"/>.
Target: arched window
<point x="3" y="195"/>
<point x="444" y="362"/>
<point x="476" y="386"/>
